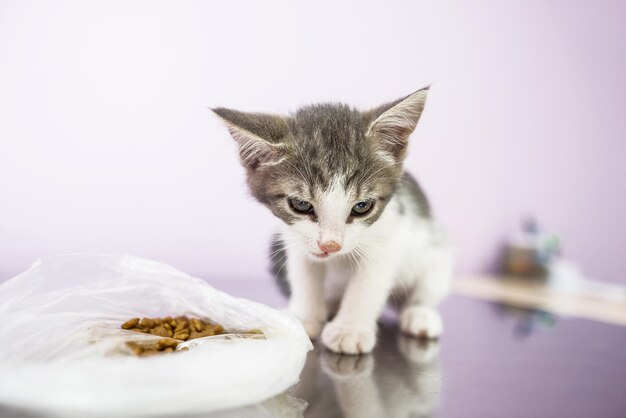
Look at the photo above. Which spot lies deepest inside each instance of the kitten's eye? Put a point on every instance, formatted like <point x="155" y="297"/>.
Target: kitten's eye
<point x="362" y="208"/>
<point x="300" y="206"/>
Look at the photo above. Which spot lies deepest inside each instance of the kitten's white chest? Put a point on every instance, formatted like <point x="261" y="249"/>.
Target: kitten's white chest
<point x="338" y="273"/>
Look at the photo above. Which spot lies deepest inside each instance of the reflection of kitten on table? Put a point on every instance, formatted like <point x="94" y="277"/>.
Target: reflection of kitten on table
<point x="401" y="378"/>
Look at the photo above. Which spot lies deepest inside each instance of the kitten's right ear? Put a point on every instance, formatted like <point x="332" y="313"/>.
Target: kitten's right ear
<point x="258" y="135"/>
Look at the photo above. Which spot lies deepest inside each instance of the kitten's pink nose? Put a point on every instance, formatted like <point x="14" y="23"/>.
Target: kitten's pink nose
<point x="329" y="246"/>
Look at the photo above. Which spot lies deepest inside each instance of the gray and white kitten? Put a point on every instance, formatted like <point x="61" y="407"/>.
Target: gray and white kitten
<point x="357" y="230"/>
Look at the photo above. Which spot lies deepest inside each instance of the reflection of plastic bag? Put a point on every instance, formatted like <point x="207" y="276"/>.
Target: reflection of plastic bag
<point x="58" y="330"/>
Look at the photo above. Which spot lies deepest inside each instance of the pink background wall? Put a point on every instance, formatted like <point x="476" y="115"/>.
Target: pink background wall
<point x="106" y="143"/>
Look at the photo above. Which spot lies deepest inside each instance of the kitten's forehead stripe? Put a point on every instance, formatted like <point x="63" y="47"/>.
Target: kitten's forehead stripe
<point x="332" y="136"/>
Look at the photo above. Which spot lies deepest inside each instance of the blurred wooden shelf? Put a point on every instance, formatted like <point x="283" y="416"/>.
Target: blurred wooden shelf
<point x="591" y="300"/>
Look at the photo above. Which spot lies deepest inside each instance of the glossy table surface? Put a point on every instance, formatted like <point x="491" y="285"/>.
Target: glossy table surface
<point x="491" y="362"/>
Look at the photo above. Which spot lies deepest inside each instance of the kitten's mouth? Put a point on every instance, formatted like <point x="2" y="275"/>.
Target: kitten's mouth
<point x="321" y="255"/>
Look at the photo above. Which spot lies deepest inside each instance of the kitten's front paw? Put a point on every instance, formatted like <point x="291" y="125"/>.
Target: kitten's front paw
<point x="348" y="340"/>
<point x="421" y="321"/>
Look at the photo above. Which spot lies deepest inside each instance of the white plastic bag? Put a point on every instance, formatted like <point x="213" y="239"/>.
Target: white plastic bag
<point x="59" y="330"/>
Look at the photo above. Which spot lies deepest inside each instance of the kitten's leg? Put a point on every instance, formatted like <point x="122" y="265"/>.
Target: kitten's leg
<point x="306" y="279"/>
<point x="419" y="316"/>
<point x="353" y="330"/>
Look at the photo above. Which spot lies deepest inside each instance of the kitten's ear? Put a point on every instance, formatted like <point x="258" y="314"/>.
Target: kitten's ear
<point x="393" y="123"/>
<point x="258" y="135"/>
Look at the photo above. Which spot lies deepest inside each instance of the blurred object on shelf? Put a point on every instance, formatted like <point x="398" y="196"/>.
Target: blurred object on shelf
<point x="535" y="254"/>
<point x="530" y="251"/>
<point x="534" y="274"/>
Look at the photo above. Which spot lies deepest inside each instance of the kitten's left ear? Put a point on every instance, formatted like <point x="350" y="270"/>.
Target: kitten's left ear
<point x="393" y="123"/>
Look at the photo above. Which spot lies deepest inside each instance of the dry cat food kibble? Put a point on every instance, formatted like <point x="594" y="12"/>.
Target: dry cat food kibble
<point x="180" y="328"/>
<point x="173" y="331"/>
<point x="164" y="345"/>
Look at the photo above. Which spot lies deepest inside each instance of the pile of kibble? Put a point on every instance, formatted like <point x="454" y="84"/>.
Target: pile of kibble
<point x="173" y="331"/>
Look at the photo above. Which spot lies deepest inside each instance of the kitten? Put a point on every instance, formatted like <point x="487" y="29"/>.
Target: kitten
<point x="357" y="230"/>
